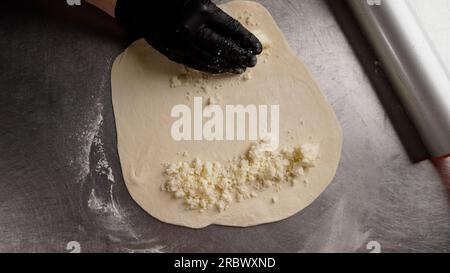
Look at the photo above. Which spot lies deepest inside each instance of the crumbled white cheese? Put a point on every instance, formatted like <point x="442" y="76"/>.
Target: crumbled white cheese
<point x="216" y="99"/>
<point x="175" y="82"/>
<point x="213" y="100"/>
<point x="247" y="76"/>
<point x="247" y="19"/>
<point x="310" y="153"/>
<point x="206" y="185"/>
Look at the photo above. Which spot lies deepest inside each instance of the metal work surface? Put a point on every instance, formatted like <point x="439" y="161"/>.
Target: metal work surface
<point x="60" y="182"/>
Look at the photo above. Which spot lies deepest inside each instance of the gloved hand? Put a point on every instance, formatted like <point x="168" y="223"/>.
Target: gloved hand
<point x="193" y="32"/>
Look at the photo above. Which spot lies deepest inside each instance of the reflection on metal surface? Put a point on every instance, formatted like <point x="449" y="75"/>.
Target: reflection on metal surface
<point x="422" y="82"/>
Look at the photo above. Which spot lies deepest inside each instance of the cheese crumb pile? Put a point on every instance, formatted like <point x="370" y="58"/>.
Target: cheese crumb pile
<point x="206" y="185"/>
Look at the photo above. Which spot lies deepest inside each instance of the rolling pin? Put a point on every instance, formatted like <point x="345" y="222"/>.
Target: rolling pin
<point x="417" y="73"/>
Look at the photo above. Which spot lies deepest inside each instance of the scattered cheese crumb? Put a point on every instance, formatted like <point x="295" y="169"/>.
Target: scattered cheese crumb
<point x="214" y="100"/>
<point x="206" y="185"/>
<point x="274" y="199"/>
<point x="247" y="19"/>
<point x="310" y="153"/>
<point x="247" y="76"/>
<point x="183" y="154"/>
<point x="175" y="82"/>
<point x="201" y="82"/>
<point x="205" y="88"/>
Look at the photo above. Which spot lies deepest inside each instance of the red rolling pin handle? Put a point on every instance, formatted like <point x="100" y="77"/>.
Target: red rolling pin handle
<point x="442" y="165"/>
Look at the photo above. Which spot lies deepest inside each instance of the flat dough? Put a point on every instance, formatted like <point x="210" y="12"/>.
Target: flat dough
<point x="143" y="99"/>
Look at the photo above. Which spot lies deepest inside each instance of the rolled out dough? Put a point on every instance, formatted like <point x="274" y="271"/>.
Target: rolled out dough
<point x="143" y="99"/>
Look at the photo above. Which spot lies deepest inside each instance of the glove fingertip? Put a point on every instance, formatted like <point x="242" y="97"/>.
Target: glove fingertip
<point x="258" y="48"/>
<point x="252" y="61"/>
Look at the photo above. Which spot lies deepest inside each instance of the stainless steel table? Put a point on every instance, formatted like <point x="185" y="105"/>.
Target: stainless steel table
<point x="60" y="183"/>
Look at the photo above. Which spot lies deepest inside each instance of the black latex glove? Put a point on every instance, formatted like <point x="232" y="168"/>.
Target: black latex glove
<point x="193" y="32"/>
